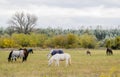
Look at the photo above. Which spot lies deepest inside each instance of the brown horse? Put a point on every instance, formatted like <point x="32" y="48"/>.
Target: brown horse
<point x="88" y="52"/>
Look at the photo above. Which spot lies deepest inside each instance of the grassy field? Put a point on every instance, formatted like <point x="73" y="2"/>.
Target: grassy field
<point x="97" y="65"/>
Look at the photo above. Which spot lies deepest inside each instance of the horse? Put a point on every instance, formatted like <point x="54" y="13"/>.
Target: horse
<point x="109" y="51"/>
<point x="60" y="57"/>
<point x="88" y="52"/>
<point x="55" y="51"/>
<point x="14" y="54"/>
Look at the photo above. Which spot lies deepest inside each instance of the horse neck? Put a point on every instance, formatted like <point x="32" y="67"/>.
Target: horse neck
<point x="48" y="55"/>
<point x="26" y="52"/>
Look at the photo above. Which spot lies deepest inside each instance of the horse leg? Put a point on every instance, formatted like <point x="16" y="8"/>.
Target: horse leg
<point x="90" y="54"/>
<point x="57" y="63"/>
<point x="15" y="59"/>
<point x="69" y="61"/>
<point x="111" y="53"/>
<point x="107" y="53"/>
<point x="50" y="62"/>
<point x="23" y="59"/>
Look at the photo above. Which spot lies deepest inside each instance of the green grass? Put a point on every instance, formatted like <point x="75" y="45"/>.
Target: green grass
<point x="97" y="65"/>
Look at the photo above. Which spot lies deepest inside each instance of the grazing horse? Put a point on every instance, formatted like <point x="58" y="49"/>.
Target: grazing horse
<point x="14" y="54"/>
<point x="60" y="57"/>
<point x="55" y="51"/>
<point x="88" y="52"/>
<point x="109" y="51"/>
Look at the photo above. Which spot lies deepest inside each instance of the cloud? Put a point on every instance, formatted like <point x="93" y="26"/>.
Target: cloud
<point x="67" y="12"/>
<point x="43" y="8"/>
<point x="97" y="12"/>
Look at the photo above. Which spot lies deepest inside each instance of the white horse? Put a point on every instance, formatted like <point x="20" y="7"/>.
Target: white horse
<point x="60" y="57"/>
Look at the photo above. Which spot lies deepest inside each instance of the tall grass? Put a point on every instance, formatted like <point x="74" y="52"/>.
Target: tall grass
<point x="97" y="65"/>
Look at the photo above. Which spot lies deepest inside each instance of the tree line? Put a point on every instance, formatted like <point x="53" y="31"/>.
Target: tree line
<point x="21" y="32"/>
<point x="58" y="38"/>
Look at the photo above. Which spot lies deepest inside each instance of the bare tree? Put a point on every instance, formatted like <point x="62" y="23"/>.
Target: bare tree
<point x="23" y="23"/>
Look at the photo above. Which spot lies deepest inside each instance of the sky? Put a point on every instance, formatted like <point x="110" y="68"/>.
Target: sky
<point x="73" y="14"/>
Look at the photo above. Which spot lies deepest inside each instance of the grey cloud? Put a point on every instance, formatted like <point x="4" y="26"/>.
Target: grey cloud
<point x="66" y="3"/>
<point x="64" y="22"/>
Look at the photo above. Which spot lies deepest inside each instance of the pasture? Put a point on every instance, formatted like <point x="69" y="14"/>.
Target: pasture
<point x="96" y="65"/>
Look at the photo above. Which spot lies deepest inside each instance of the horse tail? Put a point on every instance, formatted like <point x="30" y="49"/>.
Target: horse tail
<point x="9" y="57"/>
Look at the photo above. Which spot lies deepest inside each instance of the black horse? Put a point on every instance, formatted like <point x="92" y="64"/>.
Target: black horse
<point x="109" y="51"/>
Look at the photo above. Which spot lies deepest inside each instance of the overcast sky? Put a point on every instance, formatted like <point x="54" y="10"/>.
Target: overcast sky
<point x="64" y="13"/>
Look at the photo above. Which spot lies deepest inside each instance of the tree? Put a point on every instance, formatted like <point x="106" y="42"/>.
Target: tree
<point x="88" y="41"/>
<point x="23" y="23"/>
<point x="72" y="40"/>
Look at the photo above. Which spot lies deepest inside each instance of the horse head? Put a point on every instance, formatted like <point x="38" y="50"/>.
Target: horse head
<point x="30" y="51"/>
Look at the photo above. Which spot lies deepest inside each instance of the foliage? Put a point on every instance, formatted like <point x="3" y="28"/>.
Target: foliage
<point x="29" y="40"/>
<point x="21" y="39"/>
<point x="7" y="43"/>
<point x="113" y="42"/>
<point x="72" y="41"/>
<point x="62" y="41"/>
<point x="88" y="41"/>
<point x="63" y="38"/>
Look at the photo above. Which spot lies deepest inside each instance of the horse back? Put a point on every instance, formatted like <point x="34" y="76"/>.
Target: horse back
<point x="59" y="51"/>
<point x="16" y="53"/>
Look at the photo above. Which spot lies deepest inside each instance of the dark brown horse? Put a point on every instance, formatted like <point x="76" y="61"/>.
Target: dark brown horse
<point x="88" y="52"/>
<point x="14" y="54"/>
<point x="109" y="51"/>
